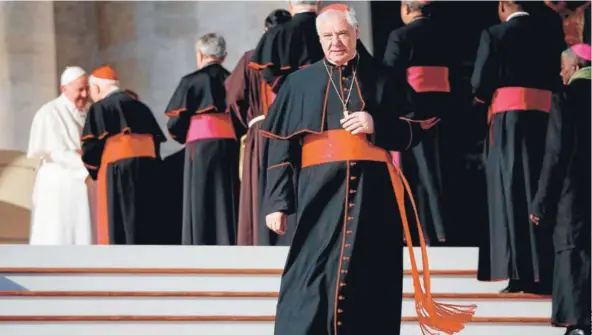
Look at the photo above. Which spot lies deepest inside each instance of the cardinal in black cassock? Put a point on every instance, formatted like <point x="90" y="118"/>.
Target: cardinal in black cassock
<point x="198" y="118"/>
<point x="280" y="52"/>
<point x="420" y="63"/>
<point x="332" y="123"/>
<point x="121" y="150"/>
<point x="516" y="72"/>
<point x="562" y="201"/>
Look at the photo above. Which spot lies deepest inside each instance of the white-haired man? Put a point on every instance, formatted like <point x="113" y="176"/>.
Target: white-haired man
<point x="120" y="148"/>
<point x="61" y="210"/>
<point x="198" y="118"/>
<point x="280" y="52"/>
<point x="335" y="120"/>
<point x="562" y="201"/>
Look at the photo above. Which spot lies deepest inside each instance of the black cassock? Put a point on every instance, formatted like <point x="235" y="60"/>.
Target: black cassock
<point x="348" y="225"/>
<point x="121" y="150"/>
<point x="562" y="202"/>
<point x="420" y="62"/>
<point x="198" y="118"/>
<point x="280" y="52"/>
<point x="516" y="71"/>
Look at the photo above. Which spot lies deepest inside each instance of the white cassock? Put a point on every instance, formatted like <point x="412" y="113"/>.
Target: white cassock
<point x="61" y="213"/>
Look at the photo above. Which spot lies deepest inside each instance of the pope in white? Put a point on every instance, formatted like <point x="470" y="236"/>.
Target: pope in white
<point x="61" y="213"/>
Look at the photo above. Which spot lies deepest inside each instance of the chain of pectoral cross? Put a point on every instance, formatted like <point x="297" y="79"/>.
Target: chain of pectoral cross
<point x="344" y="103"/>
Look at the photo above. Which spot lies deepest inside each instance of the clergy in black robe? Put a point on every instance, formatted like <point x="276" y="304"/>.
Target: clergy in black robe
<point x="281" y="51"/>
<point x="245" y="101"/>
<point x="121" y="150"/>
<point x="419" y="59"/>
<point x="335" y="120"/>
<point x="198" y="118"/>
<point x="562" y="201"/>
<point x="516" y="71"/>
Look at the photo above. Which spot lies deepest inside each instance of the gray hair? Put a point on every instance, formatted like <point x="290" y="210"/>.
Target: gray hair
<point x="350" y="17"/>
<point x="579" y="61"/>
<point x="211" y="45"/>
<point x="418" y="6"/>
<point x="304" y="2"/>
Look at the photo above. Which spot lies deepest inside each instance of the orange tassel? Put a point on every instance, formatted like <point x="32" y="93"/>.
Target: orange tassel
<point x="434" y="317"/>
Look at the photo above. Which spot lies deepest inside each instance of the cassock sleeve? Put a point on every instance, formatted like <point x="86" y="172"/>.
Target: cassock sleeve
<point x="282" y="156"/>
<point x="396" y="57"/>
<point x="92" y="141"/>
<point x="559" y="143"/>
<point x="45" y="143"/>
<point x="483" y="79"/>
<point x="391" y="132"/>
<point x="179" y="113"/>
<point x="237" y="96"/>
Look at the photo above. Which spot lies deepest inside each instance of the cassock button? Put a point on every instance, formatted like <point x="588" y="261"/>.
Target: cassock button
<point x="350" y="218"/>
<point x="339" y="310"/>
<point x="348" y="245"/>
<point x="352" y="191"/>
<point x="352" y="164"/>
<point x="348" y="232"/>
<point x="339" y="323"/>
<point x="345" y="89"/>
<point x="342" y="284"/>
<point x="353" y="178"/>
<point x="341" y="297"/>
<point x="345" y="258"/>
<point x="351" y="205"/>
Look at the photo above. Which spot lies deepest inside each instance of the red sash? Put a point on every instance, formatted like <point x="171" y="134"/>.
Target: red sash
<point x="210" y="126"/>
<point x="428" y="78"/>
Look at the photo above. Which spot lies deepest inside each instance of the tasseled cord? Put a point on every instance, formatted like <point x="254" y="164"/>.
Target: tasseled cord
<point x="434" y="317"/>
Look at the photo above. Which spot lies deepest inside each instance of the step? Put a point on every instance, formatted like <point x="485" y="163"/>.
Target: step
<point x="162" y="279"/>
<point x="209" y="257"/>
<point x="157" y="325"/>
<point x="21" y="303"/>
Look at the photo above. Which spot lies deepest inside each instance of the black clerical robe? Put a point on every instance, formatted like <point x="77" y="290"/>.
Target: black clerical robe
<point x="121" y="150"/>
<point x="347" y="201"/>
<point x="280" y="52"/>
<point x="562" y="201"/>
<point x="197" y="117"/>
<point x="516" y="71"/>
<point x="420" y="62"/>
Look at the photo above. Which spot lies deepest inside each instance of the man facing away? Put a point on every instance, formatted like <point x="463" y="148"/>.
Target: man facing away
<point x="562" y="201"/>
<point x="419" y="61"/>
<point x="516" y="71"/>
<point x="121" y="150"/>
<point x="61" y="213"/>
<point x="246" y="103"/>
<point x="336" y="119"/>
<point x="197" y="117"/>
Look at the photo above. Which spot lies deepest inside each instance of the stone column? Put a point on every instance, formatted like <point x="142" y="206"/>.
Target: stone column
<point x="28" y="76"/>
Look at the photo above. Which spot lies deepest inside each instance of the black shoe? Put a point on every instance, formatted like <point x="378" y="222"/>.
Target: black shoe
<point x="513" y="287"/>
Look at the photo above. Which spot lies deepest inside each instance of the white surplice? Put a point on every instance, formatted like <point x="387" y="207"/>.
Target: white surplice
<point x="61" y="213"/>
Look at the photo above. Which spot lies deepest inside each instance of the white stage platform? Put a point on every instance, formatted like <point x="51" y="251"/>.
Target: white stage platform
<point x="177" y="290"/>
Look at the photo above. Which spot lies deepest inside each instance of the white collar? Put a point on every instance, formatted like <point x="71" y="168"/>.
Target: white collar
<point x="111" y="90"/>
<point x="516" y="14"/>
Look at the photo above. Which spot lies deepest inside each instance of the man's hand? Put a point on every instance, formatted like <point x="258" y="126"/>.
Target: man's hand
<point x="277" y="222"/>
<point x="429" y="123"/>
<point x="535" y="219"/>
<point x="358" y="123"/>
<point x="424" y="124"/>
